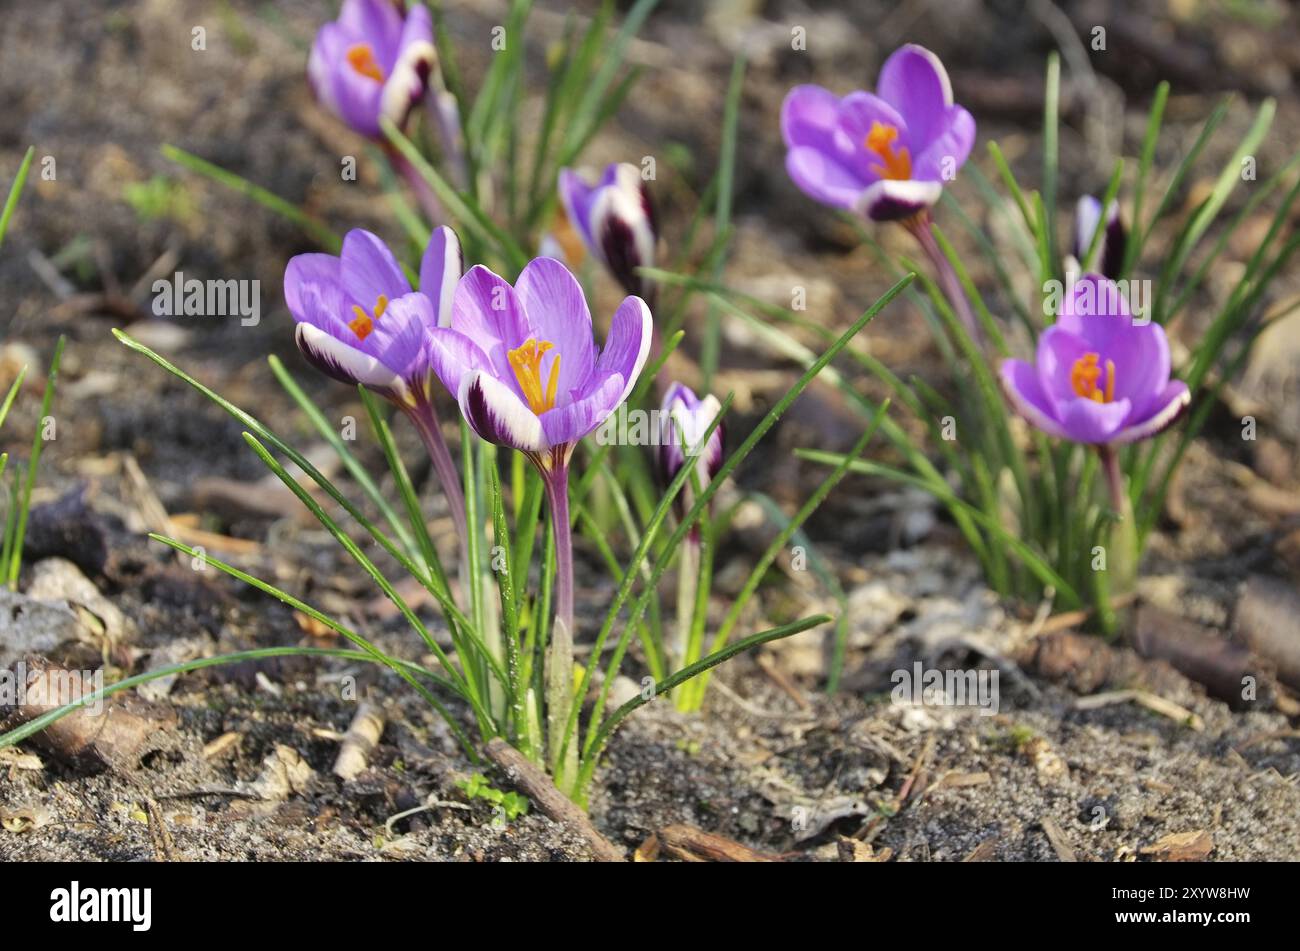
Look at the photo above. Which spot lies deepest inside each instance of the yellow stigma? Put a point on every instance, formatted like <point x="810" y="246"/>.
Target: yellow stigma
<point x="526" y="361"/>
<point x="896" y="163"/>
<point x="362" y="59"/>
<point x="363" y="324"/>
<point x="1084" y="376"/>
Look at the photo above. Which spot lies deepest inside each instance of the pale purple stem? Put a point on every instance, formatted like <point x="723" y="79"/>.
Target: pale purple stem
<point x="423" y="192"/>
<point x="425" y="418"/>
<point x="557" y="497"/>
<point x="919" y="226"/>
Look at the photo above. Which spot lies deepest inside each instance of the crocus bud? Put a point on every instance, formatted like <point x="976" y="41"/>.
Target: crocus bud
<point x="1110" y="254"/>
<point x="616" y="221"/>
<point x="683" y="420"/>
<point x="372" y="62"/>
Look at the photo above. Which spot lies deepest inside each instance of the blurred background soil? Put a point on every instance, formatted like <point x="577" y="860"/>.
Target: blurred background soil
<point x="99" y="87"/>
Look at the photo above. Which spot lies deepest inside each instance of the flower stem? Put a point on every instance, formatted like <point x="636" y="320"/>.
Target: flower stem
<point x="423" y="193"/>
<point x="920" y="226"/>
<point x="688" y="576"/>
<point x="559" y="656"/>
<point x="1114" y="478"/>
<point x="425" y="418"/>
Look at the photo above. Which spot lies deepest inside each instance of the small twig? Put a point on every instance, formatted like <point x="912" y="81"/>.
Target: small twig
<point x="778" y="677"/>
<point x="163" y="847"/>
<point x="360" y="741"/>
<point x="695" y="845"/>
<point x="1059" y="840"/>
<point x="553" y="803"/>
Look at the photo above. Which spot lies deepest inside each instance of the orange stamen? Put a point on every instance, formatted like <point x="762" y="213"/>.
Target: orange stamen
<point x="361" y="58"/>
<point x="896" y="163"/>
<point x="526" y="361"/>
<point x="364" y="324"/>
<point x="1084" y="376"/>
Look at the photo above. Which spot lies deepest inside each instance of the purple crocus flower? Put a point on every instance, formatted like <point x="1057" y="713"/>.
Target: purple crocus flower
<point x="1099" y="378"/>
<point x="359" y="321"/>
<point x="523" y="365"/>
<point x="615" y="219"/>
<point x="1110" y="253"/>
<point x="684" y="419"/>
<point x="373" y="62"/>
<point x="884" y="155"/>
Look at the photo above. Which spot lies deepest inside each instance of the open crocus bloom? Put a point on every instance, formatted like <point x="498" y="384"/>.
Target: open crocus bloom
<point x="684" y="419"/>
<point x="615" y="220"/>
<point x="1100" y="378"/>
<point x="523" y="365"/>
<point x="371" y="62"/>
<point x="884" y="155"/>
<point x="360" y="322"/>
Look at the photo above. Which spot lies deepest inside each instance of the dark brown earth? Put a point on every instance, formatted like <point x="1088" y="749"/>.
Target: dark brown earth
<point x="101" y="86"/>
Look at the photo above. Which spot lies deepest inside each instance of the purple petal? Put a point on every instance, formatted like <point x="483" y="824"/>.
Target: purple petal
<point x="577" y="197"/>
<point x="557" y="311"/>
<point x="890" y="199"/>
<point x="440" y="271"/>
<point x="822" y="179"/>
<point x="1058" y="351"/>
<point x="1165" y="409"/>
<point x="376" y="22"/>
<point x="627" y="345"/>
<point x="328" y="49"/>
<point x="369" y="269"/>
<point x="497" y="414"/>
<point x="1088" y="421"/>
<point x="809" y="116"/>
<point x="1092" y="296"/>
<point x="408" y="75"/>
<point x="949" y="148"/>
<point x="349" y="364"/>
<point x="859" y="111"/>
<point x="357" y="99"/>
<point x="488" y="311"/>
<point x="313" y="289"/>
<point x="915" y="83"/>
<point x="452" y="355"/>
<point x="1023" y="389"/>
<point x="569" y="422"/>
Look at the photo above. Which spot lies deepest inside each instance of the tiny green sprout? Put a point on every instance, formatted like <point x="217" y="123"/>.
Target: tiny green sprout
<point x="511" y="804"/>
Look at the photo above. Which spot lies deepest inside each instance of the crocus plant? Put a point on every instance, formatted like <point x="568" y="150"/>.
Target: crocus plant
<point x="372" y="62"/>
<point x="522" y="363"/>
<point x="887" y="155"/>
<point x="684" y="421"/>
<point x="1099" y="378"/>
<point x="359" y="321"/>
<point x="615" y="220"/>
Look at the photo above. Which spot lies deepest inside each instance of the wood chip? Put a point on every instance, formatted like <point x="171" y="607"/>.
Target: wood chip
<point x="695" y="845"/>
<point x="983" y="852"/>
<point x="1181" y="847"/>
<point x="648" y="850"/>
<point x="221" y="744"/>
<point x="360" y="741"/>
<point x="958" y="780"/>
<point x="1059" y="840"/>
<point x="852" y="850"/>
